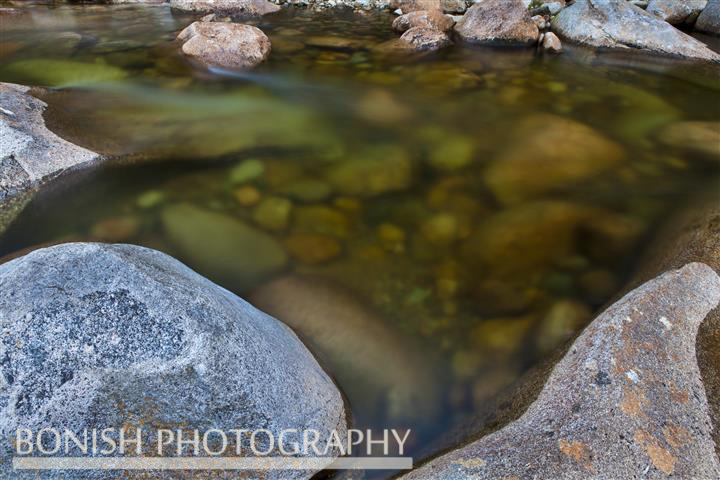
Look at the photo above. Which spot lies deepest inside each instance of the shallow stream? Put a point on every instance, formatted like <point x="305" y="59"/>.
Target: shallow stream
<point x="431" y="226"/>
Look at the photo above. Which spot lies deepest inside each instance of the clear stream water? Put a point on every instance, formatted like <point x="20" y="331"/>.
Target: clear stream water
<point x="449" y="219"/>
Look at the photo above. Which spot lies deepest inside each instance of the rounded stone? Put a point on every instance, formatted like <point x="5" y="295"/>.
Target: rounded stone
<point x="118" y="336"/>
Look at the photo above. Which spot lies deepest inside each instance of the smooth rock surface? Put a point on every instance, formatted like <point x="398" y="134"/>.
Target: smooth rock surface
<point x="228" y="7"/>
<point x="626" y="401"/>
<point x="100" y="336"/>
<point x="30" y="154"/>
<point x="423" y="18"/>
<point x="692" y="234"/>
<point x="372" y="171"/>
<point x="709" y="19"/>
<point x="619" y="24"/>
<point x="695" y="136"/>
<point x="565" y="151"/>
<point x="367" y="356"/>
<point x="525" y="238"/>
<point x="231" y="45"/>
<point x="222" y="247"/>
<point x="51" y="72"/>
<point x="676" y="12"/>
<point x="497" y="21"/>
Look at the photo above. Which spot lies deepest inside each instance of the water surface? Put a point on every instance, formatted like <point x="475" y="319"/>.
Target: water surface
<point x="471" y="209"/>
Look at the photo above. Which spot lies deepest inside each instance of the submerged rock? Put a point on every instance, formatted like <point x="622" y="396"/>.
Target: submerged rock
<point x="709" y="20"/>
<point x="312" y="248"/>
<point x="626" y="401"/>
<point x="616" y="24"/>
<point x="222" y="247"/>
<point x="30" y="154"/>
<point x="273" y="213"/>
<point x="64" y="73"/>
<point x="372" y="362"/>
<point x="565" y="151"/>
<point x="109" y="336"/>
<point x="372" y="171"/>
<point x="675" y="12"/>
<point x="524" y="239"/>
<point x="423" y="18"/>
<point x="228" y="7"/>
<point x="497" y="21"/>
<point x="231" y="45"/>
<point x="322" y="220"/>
<point x="700" y="137"/>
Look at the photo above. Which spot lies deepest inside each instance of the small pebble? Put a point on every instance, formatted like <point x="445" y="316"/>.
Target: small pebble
<point x="247" y="196"/>
<point x="273" y="213"/>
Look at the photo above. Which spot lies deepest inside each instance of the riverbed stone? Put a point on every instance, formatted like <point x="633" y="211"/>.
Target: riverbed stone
<point x="312" y="248"/>
<point x="109" y="336"/>
<point x="560" y="323"/>
<point x="379" y="368"/>
<point x="622" y="25"/>
<point x="497" y="21"/>
<point x="627" y="400"/>
<point x="251" y="8"/>
<point x="231" y="45"/>
<point x="273" y="213"/>
<point x="566" y="151"/>
<point x="423" y="18"/>
<point x="372" y="171"/>
<point x="222" y="247"/>
<point x="696" y="136"/>
<point x="525" y="238"/>
<point x="247" y="195"/>
<point x="116" y="229"/>
<point x="50" y="72"/>
<point x="709" y="19"/>
<point x="30" y="154"/>
<point x="675" y="12"/>
<point x="321" y="219"/>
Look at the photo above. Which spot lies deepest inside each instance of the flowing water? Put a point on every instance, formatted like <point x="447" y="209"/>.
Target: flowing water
<point x="431" y="226"/>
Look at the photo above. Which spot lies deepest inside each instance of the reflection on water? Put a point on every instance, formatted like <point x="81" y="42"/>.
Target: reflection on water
<point x="432" y="227"/>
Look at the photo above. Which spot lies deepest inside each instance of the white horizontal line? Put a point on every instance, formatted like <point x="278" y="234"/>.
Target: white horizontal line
<point x="212" y="463"/>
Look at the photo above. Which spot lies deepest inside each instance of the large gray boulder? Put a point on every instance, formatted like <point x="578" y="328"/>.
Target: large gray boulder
<point x="497" y="22"/>
<point x="709" y="19"/>
<point x="618" y="24"/>
<point x="627" y="400"/>
<point x="220" y="44"/>
<point x="677" y="12"/>
<point x="105" y="336"/>
<point x="30" y="154"/>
